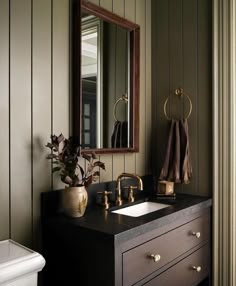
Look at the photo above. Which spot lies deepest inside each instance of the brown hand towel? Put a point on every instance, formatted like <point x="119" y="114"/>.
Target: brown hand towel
<point x="169" y="151"/>
<point x="119" y="137"/>
<point x="174" y="168"/>
<point x="177" y="164"/>
<point x="115" y="134"/>
<point x="186" y="165"/>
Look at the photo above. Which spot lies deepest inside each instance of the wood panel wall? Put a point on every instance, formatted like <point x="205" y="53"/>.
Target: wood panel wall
<point x="182" y="57"/>
<point x="35" y="102"/>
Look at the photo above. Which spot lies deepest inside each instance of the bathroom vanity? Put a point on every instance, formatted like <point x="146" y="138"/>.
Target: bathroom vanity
<point x="171" y="246"/>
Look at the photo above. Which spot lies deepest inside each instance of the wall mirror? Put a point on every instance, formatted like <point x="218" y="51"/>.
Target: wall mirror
<point x="108" y="109"/>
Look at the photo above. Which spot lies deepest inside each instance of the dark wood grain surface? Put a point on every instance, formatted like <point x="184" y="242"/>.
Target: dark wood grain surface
<point x="182" y="274"/>
<point x="137" y="263"/>
<point x="92" y="250"/>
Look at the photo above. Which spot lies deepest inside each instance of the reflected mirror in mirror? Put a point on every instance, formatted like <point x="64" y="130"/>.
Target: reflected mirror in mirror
<point x="109" y="70"/>
<point x="105" y="83"/>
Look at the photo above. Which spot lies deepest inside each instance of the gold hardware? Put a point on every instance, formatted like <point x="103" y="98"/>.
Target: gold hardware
<point x="105" y="202"/>
<point x="165" y="187"/>
<point x="196" y="234"/>
<point x="119" y="200"/>
<point x="179" y="92"/>
<point x="197" y="268"/>
<point x="118" y="185"/>
<point x="131" y="196"/>
<point x="131" y="193"/>
<point x="155" y="257"/>
<point x="124" y="98"/>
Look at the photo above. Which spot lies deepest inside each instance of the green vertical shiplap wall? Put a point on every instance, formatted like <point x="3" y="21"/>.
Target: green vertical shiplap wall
<point x="182" y="57"/>
<point x="34" y="92"/>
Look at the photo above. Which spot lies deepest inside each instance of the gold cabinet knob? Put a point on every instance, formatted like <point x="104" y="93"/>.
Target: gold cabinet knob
<point x="196" y="234"/>
<point x="197" y="268"/>
<point x="155" y="257"/>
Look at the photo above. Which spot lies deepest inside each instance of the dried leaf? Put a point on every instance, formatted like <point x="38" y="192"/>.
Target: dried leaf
<point x="51" y="156"/>
<point x="90" y="167"/>
<point x="60" y="138"/>
<point x="65" y="155"/>
<point x="81" y="170"/>
<point x="99" y="164"/>
<point x="96" y="174"/>
<point x="49" y="145"/>
<point x="86" y="156"/>
<point x="68" y="180"/>
<point x="88" y="181"/>
<point x="94" y="156"/>
<point x="78" y="151"/>
<point x="53" y="138"/>
<point x="56" y="169"/>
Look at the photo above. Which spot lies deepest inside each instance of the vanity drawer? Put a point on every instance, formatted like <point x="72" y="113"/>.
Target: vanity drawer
<point x="189" y="271"/>
<point x="138" y="263"/>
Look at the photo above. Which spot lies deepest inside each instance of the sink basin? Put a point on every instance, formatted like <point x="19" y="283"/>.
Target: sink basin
<point x="141" y="209"/>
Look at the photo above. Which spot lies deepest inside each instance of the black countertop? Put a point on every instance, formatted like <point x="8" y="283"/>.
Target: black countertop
<point x="105" y="223"/>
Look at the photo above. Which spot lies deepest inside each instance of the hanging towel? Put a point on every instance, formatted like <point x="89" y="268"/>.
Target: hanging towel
<point x="119" y="137"/>
<point x="169" y="151"/>
<point x="177" y="164"/>
<point x="174" y="167"/>
<point x="116" y="128"/>
<point x="186" y="165"/>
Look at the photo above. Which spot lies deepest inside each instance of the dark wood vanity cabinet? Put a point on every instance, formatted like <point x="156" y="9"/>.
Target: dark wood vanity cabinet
<point x="177" y="252"/>
<point x="186" y="247"/>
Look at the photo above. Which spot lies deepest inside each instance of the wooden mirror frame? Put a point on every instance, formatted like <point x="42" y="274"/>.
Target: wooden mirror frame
<point x="76" y="7"/>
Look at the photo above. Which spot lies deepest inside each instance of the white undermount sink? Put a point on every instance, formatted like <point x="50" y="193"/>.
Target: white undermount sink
<point x="141" y="209"/>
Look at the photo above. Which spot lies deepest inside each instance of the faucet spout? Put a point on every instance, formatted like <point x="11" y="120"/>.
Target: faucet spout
<point x="118" y="184"/>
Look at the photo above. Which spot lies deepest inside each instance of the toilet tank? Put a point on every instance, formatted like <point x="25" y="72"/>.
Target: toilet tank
<point x="19" y="266"/>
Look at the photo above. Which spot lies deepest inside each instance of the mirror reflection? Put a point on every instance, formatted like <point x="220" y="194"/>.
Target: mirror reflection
<point x="105" y="76"/>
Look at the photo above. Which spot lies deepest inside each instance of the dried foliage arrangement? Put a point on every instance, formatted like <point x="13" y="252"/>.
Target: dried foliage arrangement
<point x="65" y="155"/>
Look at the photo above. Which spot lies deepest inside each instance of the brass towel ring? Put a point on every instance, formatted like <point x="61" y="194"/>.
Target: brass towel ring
<point x="180" y="92"/>
<point x="124" y="98"/>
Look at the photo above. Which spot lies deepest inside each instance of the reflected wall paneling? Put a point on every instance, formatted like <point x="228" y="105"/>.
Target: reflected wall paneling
<point x="4" y="118"/>
<point x="181" y="45"/>
<point x="107" y="159"/>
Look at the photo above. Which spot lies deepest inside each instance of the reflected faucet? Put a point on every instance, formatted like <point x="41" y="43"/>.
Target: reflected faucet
<point x="118" y="185"/>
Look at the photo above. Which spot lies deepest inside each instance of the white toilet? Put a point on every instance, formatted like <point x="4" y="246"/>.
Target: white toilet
<point x="19" y="266"/>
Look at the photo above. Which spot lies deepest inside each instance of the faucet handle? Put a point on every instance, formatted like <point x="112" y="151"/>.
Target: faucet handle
<point x="105" y="202"/>
<point x="104" y="193"/>
<point x="131" y="192"/>
<point x="131" y="187"/>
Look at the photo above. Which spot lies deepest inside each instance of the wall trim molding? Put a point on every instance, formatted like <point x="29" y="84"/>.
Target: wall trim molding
<point x="224" y="138"/>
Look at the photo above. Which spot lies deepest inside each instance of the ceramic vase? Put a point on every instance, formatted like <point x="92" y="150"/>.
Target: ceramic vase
<point x="74" y="201"/>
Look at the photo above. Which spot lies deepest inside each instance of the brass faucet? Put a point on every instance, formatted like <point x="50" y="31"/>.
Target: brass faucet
<point x="118" y="185"/>
<point x="105" y="202"/>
